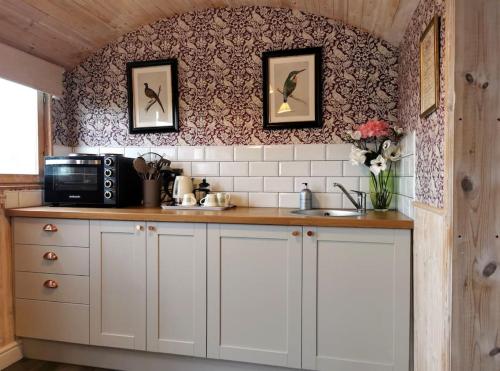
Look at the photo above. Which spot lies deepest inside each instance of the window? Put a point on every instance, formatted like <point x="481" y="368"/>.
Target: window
<point x="21" y="133"/>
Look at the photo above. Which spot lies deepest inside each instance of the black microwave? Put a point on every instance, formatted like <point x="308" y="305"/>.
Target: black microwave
<point x="91" y="180"/>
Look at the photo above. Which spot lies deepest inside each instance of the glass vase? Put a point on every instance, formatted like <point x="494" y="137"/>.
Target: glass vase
<point x="381" y="190"/>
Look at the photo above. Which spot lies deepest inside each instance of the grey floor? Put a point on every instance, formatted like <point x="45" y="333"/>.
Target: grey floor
<point x="34" y="365"/>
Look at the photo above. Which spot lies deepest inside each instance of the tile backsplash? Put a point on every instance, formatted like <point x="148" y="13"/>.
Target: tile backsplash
<point x="272" y="175"/>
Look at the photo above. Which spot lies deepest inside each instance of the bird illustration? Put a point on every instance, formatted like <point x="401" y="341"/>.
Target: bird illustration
<point x="288" y="89"/>
<point x="154" y="97"/>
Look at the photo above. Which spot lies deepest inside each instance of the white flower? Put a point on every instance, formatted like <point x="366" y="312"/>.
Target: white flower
<point x="358" y="156"/>
<point x="386" y="144"/>
<point x="356" y="135"/>
<point x="398" y="130"/>
<point x="377" y="165"/>
<point x="393" y="153"/>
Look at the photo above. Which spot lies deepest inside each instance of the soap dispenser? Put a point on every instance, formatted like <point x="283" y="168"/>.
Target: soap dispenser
<point x="305" y="198"/>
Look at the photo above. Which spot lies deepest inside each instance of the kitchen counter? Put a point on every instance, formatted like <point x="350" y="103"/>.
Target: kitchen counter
<point x="238" y="215"/>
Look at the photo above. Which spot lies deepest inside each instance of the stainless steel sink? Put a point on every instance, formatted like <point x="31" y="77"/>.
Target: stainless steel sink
<point x="328" y="212"/>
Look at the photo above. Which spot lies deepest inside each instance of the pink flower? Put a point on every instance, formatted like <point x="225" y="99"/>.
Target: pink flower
<point x="374" y="128"/>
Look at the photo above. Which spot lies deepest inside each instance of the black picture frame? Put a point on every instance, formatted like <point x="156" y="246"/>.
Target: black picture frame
<point x="317" y="121"/>
<point x="173" y="102"/>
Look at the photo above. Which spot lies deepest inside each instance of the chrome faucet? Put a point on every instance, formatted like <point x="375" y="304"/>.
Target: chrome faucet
<point x="360" y="205"/>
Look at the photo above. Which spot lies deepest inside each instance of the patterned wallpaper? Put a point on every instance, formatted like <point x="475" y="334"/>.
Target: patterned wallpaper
<point x="220" y="79"/>
<point x="429" y="187"/>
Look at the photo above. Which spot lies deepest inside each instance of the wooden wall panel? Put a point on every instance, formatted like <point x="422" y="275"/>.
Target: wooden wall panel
<point x="6" y="292"/>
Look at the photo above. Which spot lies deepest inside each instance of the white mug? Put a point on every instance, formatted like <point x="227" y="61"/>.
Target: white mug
<point x="188" y="200"/>
<point x="223" y="199"/>
<point x="209" y="200"/>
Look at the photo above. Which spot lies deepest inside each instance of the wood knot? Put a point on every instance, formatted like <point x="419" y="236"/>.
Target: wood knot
<point x="469" y="78"/>
<point x="489" y="269"/>
<point x="494" y="351"/>
<point x="485" y="85"/>
<point x="467" y="185"/>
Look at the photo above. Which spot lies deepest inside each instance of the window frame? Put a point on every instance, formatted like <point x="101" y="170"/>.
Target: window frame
<point x="44" y="148"/>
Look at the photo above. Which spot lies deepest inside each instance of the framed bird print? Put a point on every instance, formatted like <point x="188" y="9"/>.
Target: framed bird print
<point x="292" y="88"/>
<point x="153" y="103"/>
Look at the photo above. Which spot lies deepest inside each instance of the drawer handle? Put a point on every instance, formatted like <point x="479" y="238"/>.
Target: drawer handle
<point x="295" y="233"/>
<point x="50" y="284"/>
<point x="139" y="228"/>
<point x="50" y="228"/>
<point x="50" y="255"/>
<point x="310" y="233"/>
<point x="151" y="228"/>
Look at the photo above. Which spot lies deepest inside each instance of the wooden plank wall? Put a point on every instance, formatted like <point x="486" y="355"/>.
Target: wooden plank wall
<point x="6" y="305"/>
<point x="475" y="340"/>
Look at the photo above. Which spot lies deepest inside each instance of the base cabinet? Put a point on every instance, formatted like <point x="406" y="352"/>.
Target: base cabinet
<point x="176" y="269"/>
<point x="356" y="301"/>
<point x="254" y="294"/>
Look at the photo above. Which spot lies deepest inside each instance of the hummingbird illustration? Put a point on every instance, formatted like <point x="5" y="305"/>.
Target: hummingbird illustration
<point x="288" y="89"/>
<point x="154" y="97"/>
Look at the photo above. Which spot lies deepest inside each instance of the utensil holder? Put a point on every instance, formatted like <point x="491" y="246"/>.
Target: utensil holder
<point x="151" y="192"/>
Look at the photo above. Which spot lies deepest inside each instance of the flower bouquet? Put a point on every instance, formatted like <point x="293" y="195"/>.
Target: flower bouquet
<point x="376" y="146"/>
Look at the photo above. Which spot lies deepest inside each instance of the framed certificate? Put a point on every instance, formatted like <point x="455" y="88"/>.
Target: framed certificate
<point x="429" y="68"/>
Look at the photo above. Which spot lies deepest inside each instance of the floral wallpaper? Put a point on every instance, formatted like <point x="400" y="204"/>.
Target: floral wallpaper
<point x="220" y="79"/>
<point x="429" y="187"/>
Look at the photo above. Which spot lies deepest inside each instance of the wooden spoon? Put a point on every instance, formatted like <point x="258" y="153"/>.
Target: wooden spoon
<point x="141" y="167"/>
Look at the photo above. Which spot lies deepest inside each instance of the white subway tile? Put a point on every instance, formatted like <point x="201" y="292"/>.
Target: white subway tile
<point x="219" y="153"/>
<point x="248" y="153"/>
<point x="263" y="168"/>
<point x="348" y="182"/>
<point x="112" y="150"/>
<point x="410" y="187"/>
<point x="168" y="152"/>
<point x="290" y="200"/>
<point x="234" y="168"/>
<point x="239" y="199"/>
<point x="338" y="151"/>
<point x="185" y="166"/>
<point x="11" y="199"/>
<point x="316" y="184"/>
<point x="326" y="168"/>
<point x="248" y="184"/>
<point x="204" y="168"/>
<point x="295" y="168"/>
<point x="134" y="152"/>
<point x="364" y="184"/>
<point x="263" y="200"/>
<point x="309" y="152"/>
<point x="411" y="166"/>
<point x="190" y="153"/>
<point x="353" y="170"/>
<point x="30" y="198"/>
<point x="221" y="184"/>
<point x="86" y="150"/>
<point x="59" y="150"/>
<point x="278" y="152"/>
<point x="327" y="200"/>
<point x="278" y="184"/>
<point x="347" y="204"/>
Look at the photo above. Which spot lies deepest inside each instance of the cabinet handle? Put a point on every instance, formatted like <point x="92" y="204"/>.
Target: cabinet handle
<point x="50" y="284"/>
<point x="310" y="233"/>
<point x="50" y="255"/>
<point x="295" y="233"/>
<point x="50" y="228"/>
<point x="151" y="228"/>
<point x="139" y="227"/>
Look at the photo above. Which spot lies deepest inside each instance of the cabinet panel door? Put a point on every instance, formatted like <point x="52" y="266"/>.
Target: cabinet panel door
<point x="356" y="299"/>
<point x="118" y="284"/>
<point x="176" y="254"/>
<point x="254" y="294"/>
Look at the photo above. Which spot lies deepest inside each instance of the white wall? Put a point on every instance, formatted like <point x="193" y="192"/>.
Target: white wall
<point x="26" y="69"/>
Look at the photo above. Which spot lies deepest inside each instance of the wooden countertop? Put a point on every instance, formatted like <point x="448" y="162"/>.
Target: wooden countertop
<point x="238" y="215"/>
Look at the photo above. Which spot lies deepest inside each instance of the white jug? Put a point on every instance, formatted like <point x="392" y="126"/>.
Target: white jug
<point x="182" y="185"/>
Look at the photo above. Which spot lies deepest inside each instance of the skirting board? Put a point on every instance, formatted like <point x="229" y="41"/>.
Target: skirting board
<point x="129" y="360"/>
<point x="10" y="354"/>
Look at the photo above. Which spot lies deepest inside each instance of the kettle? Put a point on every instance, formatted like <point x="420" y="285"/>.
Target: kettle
<point x="182" y="185"/>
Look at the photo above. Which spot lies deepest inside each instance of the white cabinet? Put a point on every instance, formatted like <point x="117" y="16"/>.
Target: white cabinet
<point x="254" y="294"/>
<point x="176" y="269"/>
<point x="356" y="301"/>
<point x="118" y="284"/>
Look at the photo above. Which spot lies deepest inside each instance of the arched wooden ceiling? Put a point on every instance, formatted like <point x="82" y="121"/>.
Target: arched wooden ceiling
<point x="66" y="31"/>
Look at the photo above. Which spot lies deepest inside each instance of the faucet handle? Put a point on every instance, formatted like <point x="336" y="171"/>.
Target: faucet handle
<point x="361" y="199"/>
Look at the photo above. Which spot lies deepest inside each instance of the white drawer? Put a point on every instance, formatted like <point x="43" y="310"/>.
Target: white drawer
<point x="52" y="321"/>
<point x="70" y="289"/>
<point x="68" y="260"/>
<point x="59" y="232"/>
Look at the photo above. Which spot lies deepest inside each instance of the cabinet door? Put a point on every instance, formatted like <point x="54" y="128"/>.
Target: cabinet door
<point x="254" y="294"/>
<point x="356" y="299"/>
<point x="176" y="264"/>
<point x="118" y="284"/>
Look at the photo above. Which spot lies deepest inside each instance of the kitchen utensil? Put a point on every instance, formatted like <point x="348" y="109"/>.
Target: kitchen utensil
<point x="182" y="186"/>
<point x="209" y="200"/>
<point x="223" y="199"/>
<point x="151" y="190"/>
<point x="141" y="167"/>
<point x="202" y="190"/>
<point x="188" y="200"/>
